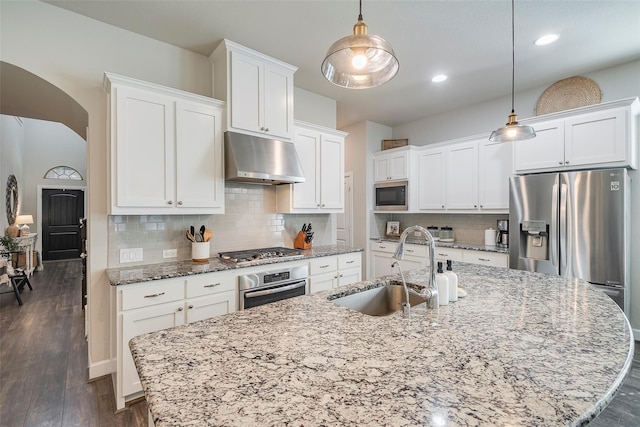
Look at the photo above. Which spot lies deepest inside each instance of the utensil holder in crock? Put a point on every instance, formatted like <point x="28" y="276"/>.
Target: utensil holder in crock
<point x="200" y="251"/>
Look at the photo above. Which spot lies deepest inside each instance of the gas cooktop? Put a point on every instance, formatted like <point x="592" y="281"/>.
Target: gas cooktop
<point x="252" y="255"/>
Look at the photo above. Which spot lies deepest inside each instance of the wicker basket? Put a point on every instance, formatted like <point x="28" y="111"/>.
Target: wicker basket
<point x="567" y="94"/>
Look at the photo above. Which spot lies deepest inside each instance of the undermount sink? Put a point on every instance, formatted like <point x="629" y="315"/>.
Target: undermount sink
<point x="381" y="301"/>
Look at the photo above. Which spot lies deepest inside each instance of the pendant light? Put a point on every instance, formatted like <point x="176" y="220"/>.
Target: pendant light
<point x="360" y="61"/>
<point x="512" y="131"/>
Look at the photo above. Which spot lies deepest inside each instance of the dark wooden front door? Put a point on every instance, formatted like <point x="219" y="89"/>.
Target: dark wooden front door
<point x="61" y="213"/>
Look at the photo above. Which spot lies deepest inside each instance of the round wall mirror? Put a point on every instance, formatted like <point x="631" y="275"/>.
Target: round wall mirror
<point x="12" y="199"/>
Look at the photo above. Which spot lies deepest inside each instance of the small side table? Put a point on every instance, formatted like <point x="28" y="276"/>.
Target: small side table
<point x="28" y="244"/>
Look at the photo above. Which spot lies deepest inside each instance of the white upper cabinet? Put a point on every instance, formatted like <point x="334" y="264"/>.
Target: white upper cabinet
<point x="463" y="176"/>
<point x="165" y="150"/>
<point x="258" y="90"/>
<point x="602" y="135"/>
<point x="431" y="179"/>
<point x="321" y="152"/>
<point x="392" y="165"/>
<point x="495" y="167"/>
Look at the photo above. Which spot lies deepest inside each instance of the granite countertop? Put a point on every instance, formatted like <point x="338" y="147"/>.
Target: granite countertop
<point x="456" y="245"/>
<point x="167" y="270"/>
<point x="521" y="348"/>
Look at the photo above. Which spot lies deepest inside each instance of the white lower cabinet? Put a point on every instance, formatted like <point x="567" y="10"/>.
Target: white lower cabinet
<point x="149" y="307"/>
<point x="492" y="259"/>
<point x="417" y="256"/>
<point x="332" y="271"/>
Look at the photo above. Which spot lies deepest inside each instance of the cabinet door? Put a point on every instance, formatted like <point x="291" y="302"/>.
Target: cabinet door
<point x="306" y="194"/>
<point x="545" y="151"/>
<point x="382" y="264"/>
<point x="278" y="102"/>
<point x="596" y="138"/>
<point x="462" y="176"/>
<point x="381" y="169"/>
<point x="492" y="259"/>
<point x="199" y="177"/>
<point x="412" y="263"/>
<point x="431" y="187"/>
<point x="247" y="77"/>
<point x="322" y="282"/>
<point x="142" y="321"/>
<point x="495" y="168"/>
<point x="398" y="165"/>
<point x="331" y="172"/>
<point x="349" y="276"/>
<point x="211" y="306"/>
<point x="144" y="160"/>
<point x="443" y="254"/>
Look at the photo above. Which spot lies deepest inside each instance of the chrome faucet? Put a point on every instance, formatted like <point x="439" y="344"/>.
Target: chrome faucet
<point x="431" y="292"/>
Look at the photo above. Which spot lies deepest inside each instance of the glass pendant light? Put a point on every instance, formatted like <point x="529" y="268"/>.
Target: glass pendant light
<point x="360" y="61"/>
<point x="512" y="131"/>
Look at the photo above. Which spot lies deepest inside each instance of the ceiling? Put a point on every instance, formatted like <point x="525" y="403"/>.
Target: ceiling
<point x="470" y="41"/>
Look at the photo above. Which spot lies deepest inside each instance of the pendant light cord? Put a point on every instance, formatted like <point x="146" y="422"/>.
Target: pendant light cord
<point x="360" y="14"/>
<point x="513" y="57"/>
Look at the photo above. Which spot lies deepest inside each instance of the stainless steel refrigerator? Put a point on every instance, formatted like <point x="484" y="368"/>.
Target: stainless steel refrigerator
<point x="573" y="224"/>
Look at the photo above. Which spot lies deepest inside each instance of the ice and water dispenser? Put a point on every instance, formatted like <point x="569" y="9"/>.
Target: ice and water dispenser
<point x="534" y="240"/>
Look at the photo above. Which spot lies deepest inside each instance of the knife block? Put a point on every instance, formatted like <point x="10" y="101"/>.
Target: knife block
<point x="299" y="242"/>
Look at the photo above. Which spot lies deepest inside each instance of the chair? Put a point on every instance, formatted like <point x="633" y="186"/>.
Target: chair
<point x="15" y="278"/>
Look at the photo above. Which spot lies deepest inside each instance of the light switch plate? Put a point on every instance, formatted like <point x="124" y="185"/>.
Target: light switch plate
<point x="131" y="255"/>
<point x="169" y="253"/>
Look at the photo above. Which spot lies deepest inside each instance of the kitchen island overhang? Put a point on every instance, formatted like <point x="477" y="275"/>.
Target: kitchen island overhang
<point x="521" y="349"/>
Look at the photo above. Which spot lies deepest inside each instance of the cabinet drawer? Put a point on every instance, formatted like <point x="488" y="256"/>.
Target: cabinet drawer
<point x="416" y="250"/>
<point x="323" y="265"/>
<point x="486" y="258"/>
<point x="207" y="284"/>
<point x="443" y="254"/>
<point x="383" y="247"/>
<point x="349" y="261"/>
<point x="152" y="293"/>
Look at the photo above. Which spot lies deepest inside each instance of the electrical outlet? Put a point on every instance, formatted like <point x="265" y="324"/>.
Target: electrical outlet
<point x="130" y="255"/>
<point x="169" y="253"/>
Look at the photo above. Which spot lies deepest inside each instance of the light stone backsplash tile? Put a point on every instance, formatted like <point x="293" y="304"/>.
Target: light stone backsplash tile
<point x="250" y="221"/>
<point x="467" y="228"/>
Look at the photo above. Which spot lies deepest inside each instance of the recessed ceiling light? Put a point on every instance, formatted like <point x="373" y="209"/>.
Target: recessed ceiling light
<point x="546" y="39"/>
<point x="439" y="78"/>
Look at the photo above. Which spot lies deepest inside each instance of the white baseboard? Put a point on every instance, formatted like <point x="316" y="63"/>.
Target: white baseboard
<point x="102" y="368"/>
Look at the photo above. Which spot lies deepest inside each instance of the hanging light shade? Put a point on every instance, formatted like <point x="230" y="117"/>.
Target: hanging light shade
<point x="512" y="131"/>
<point x="360" y="61"/>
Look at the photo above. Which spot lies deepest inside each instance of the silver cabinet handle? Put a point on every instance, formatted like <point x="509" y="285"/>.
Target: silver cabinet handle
<point x="559" y="163"/>
<point x="567" y="162"/>
<point x="267" y="129"/>
<point x="445" y="255"/>
<point x="350" y="262"/>
<point x="213" y="285"/>
<point x="154" y="295"/>
<point x="190" y="306"/>
<point x="170" y="202"/>
<point x="180" y="308"/>
<point x="409" y="250"/>
<point x="180" y="203"/>
<point x="382" y="247"/>
<point x="324" y="266"/>
<point x="484" y="259"/>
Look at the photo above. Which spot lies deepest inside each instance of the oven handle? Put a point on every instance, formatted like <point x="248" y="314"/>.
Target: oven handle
<point x="255" y="294"/>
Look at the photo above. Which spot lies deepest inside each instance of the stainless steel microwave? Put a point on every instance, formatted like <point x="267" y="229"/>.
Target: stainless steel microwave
<point x="392" y="196"/>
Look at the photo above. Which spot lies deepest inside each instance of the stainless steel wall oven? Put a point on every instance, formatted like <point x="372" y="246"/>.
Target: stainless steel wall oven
<point x="273" y="285"/>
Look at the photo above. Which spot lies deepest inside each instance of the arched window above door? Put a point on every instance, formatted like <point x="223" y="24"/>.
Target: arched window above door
<point x="63" y="172"/>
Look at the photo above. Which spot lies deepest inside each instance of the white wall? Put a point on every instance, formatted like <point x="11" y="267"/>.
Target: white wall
<point x="11" y="159"/>
<point x="72" y="52"/>
<point x="313" y="108"/>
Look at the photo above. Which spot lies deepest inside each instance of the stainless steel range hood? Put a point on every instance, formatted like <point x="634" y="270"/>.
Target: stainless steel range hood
<point x="261" y="160"/>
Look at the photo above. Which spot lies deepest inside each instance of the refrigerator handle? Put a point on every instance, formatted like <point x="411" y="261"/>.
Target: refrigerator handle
<point x="554" y="225"/>
<point x="563" y="229"/>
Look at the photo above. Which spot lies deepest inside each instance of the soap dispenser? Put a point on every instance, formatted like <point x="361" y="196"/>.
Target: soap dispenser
<point x="453" y="281"/>
<point x="443" y="286"/>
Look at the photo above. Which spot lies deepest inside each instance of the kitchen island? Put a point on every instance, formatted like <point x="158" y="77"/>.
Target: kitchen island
<point x="520" y="349"/>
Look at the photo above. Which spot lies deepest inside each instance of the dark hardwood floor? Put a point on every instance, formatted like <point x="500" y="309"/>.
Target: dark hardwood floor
<point x="43" y="359"/>
<point x="43" y="363"/>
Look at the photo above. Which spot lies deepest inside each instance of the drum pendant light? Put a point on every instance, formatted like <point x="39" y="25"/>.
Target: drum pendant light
<point x="512" y="131"/>
<point x="360" y="61"/>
